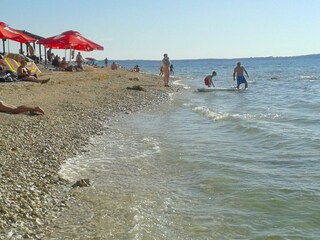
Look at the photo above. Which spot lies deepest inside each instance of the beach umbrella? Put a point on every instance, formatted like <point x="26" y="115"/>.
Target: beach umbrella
<point x="70" y="40"/>
<point x="7" y="32"/>
<point x="90" y="59"/>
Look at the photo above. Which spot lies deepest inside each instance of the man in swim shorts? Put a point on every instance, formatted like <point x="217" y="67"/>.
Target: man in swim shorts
<point x="239" y="70"/>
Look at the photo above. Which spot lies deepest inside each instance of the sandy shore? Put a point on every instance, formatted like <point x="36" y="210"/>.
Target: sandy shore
<point x="32" y="148"/>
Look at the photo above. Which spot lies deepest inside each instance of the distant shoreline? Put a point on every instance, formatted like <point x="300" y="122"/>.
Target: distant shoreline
<point x="316" y="55"/>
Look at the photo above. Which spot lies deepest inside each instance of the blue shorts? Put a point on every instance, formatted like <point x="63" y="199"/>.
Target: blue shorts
<point x="241" y="79"/>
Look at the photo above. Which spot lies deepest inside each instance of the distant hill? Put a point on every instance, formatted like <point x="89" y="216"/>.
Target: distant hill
<point x="299" y="56"/>
<point x="310" y="55"/>
<point x="268" y="57"/>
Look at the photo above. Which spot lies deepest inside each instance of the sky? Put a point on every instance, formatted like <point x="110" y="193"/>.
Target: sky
<point x="185" y="29"/>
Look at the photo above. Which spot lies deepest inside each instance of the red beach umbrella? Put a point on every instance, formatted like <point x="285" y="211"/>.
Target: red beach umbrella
<point x="70" y="40"/>
<point x="90" y="59"/>
<point x="7" y="32"/>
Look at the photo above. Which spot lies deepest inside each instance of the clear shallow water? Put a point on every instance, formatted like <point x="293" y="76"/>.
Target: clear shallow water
<point x="218" y="165"/>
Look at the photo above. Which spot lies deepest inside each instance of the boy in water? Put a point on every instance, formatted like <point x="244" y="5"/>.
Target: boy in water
<point x="208" y="80"/>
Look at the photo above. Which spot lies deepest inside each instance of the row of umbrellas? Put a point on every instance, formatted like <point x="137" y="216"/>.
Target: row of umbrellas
<point x="66" y="40"/>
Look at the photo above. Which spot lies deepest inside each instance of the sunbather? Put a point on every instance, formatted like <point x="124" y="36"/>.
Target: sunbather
<point x="24" y="74"/>
<point x="6" y="108"/>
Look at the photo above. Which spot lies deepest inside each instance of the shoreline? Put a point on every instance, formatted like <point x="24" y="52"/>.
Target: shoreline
<point x="33" y="148"/>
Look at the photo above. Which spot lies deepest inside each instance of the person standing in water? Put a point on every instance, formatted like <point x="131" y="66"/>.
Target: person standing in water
<point x="166" y="69"/>
<point x="238" y="71"/>
<point x="208" y="80"/>
<point x="171" y="69"/>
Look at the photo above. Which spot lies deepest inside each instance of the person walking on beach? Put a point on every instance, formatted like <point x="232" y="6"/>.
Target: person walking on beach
<point x="238" y="71"/>
<point x="6" y="108"/>
<point x="166" y="69"/>
<point x="208" y="80"/>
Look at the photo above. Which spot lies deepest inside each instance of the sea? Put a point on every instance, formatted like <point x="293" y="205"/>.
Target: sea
<point x="207" y="165"/>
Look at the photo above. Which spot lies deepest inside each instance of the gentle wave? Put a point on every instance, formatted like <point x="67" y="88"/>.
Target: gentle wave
<point x="210" y="113"/>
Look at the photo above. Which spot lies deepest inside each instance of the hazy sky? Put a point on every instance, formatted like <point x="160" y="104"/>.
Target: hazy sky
<point x="185" y="29"/>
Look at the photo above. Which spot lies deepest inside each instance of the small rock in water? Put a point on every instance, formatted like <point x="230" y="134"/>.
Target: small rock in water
<point x="82" y="183"/>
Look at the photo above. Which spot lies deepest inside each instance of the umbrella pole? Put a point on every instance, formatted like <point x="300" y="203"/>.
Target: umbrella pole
<point x="40" y="58"/>
<point x="3" y="46"/>
<point x="45" y="55"/>
<point x="21" y="49"/>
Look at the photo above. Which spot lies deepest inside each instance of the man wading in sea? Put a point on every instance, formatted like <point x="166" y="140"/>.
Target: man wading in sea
<point x="238" y="70"/>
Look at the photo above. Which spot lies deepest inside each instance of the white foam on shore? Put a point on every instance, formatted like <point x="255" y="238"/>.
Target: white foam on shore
<point x="210" y="113"/>
<point x="106" y="149"/>
<point x="179" y="83"/>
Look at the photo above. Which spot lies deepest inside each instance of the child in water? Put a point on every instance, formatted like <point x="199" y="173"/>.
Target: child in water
<point x="208" y="80"/>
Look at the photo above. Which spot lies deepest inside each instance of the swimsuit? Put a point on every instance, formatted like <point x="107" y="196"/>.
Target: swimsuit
<point x="207" y="80"/>
<point x="241" y="79"/>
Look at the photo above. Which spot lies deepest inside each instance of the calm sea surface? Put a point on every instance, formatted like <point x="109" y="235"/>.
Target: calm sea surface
<point x="215" y="165"/>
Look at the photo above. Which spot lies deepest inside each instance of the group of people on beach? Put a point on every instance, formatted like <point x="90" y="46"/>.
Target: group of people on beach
<point x="65" y="66"/>
<point x="22" y="74"/>
<point x="25" y="74"/>
<point x="238" y="73"/>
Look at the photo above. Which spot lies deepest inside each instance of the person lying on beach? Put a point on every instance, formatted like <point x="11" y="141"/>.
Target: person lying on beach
<point x="208" y="80"/>
<point x="24" y="74"/>
<point x="65" y="65"/>
<point x="11" y="109"/>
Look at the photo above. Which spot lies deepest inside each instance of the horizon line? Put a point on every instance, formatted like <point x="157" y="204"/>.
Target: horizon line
<point x="231" y="58"/>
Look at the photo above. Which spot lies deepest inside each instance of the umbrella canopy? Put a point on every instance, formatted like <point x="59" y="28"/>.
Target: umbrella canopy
<point x="31" y="34"/>
<point x="70" y="40"/>
<point x="90" y="59"/>
<point x="7" y="32"/>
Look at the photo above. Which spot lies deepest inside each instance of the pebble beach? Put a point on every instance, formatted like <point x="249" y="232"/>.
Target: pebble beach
<point x="78" y="105"/>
